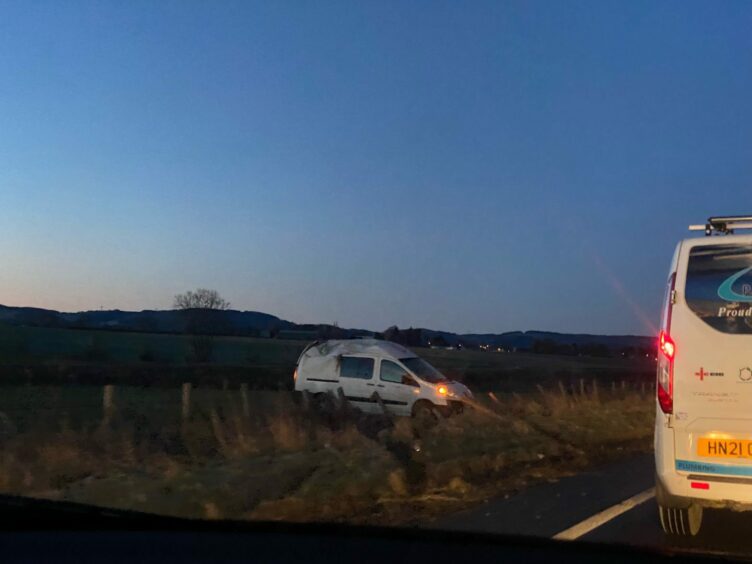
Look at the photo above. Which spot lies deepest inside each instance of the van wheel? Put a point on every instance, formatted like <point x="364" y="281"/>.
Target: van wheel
<point x="681" y="521"/>
<point x="323" y="402"/>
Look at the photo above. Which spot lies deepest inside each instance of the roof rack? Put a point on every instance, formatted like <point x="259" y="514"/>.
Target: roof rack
<point x="724" y="225"/>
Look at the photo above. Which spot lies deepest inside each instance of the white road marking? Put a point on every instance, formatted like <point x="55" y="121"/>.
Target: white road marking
<point x="584" y="527"/>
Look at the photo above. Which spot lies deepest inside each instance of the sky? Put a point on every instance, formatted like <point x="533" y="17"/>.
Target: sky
<point x="465" y="166"/>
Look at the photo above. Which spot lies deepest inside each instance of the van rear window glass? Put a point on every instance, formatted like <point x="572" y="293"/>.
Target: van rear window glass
<point x="719" y="286"/>
<point x="356" y="367"/>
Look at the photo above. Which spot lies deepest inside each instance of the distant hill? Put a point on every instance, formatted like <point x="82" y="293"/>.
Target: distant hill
<point x="158" y="321"/>
<point x="255" y="323"/>
<point x="526" y="340"/>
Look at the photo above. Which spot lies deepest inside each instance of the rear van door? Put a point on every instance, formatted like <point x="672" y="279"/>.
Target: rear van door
<point x="711" y="328"/>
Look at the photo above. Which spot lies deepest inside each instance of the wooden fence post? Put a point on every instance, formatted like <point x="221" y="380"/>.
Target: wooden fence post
<point x="582" y="387"/>
<point x="342" y="405"/>
<point x="186" y="401"/>
<point x="308" y="404"/>
<point x="244" y="397"/>
<point x="378" y="399"/>
<point x="108" y="401"/>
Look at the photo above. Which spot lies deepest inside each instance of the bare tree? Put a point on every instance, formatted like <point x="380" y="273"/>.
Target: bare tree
<point x="202" y="310"/>
<point x="202" y="298"/>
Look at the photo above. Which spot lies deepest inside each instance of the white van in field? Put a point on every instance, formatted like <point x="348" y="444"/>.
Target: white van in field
<point x="373" y="373"/>
<point x="703" y="425"/>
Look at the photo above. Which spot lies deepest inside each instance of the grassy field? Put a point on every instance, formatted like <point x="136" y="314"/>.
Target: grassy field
<point x="508" y="372"/>
<point x="265" y="456"/>
<point x="23" y="344"/>
<point x="30" y="355"/>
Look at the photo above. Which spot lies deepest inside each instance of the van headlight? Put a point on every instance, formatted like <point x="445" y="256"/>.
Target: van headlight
<point x="442" y="390"/>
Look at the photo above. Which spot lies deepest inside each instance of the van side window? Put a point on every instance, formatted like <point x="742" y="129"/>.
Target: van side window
<point x="356" y="367"/>
<point x="391" y="372"/>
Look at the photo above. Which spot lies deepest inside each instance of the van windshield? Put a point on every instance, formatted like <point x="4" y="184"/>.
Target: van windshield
<point x="423" y="370"/>
<point x="719" y="286"/>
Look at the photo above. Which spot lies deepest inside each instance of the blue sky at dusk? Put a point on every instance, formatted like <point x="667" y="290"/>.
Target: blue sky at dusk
<point x="468" y="166"/>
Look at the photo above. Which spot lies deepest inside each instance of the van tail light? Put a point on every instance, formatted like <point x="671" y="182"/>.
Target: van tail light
<point x="667" y="346"/>
<point x="666" y="352"/>
<point x="665" y="380"/>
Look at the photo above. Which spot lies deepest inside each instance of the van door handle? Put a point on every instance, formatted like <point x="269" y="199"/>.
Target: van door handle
<point x="369" y="384"/>
<point x="379" y="385"/>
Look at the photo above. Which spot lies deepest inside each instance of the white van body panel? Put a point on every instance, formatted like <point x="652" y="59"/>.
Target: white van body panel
<point x="712" y="395"/>
<point x="318" y="371"/>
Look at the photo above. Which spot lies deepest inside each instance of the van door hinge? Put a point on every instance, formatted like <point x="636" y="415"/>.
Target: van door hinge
<point x="672" y="297"/>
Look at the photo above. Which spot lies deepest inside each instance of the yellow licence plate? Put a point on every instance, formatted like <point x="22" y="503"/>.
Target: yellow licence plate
<point x="724" y="448"/>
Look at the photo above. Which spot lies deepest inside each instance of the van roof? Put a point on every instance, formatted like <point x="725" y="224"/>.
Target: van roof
<point x="745" y="238"/>
<point x="359" y="346"/>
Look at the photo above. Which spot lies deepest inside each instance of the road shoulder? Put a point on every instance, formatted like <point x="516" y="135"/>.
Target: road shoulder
<point x="547" y="509"/>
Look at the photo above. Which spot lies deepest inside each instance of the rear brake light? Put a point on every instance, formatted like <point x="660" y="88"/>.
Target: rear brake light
<point x="667" y="346"/>
<point x="666" y="352"/>
<point x="665" y="387"/>
<point x="700" y="485"/>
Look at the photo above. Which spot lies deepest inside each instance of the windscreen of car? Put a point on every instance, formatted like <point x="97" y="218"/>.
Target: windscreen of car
<point x="719" y="286"/>
<point x="423" y="370"/>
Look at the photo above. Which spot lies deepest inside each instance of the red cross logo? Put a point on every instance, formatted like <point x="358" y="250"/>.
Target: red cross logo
<point x="701" y="374"/>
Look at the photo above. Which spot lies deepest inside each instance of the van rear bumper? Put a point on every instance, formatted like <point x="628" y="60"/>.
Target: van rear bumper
<point x="678" y="492"/>
<point x="715" y="485"/>
<point x="675" y="488"/>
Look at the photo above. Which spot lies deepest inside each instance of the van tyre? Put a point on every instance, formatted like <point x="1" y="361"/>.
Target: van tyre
<point x="323" y="402"/>
<point x="685" y="521"/>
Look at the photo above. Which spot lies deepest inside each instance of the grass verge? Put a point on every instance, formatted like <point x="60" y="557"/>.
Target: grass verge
<point x="277" y="460"/>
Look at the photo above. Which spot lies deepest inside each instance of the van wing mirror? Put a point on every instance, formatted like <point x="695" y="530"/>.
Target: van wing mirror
<point x="407" y="381"/>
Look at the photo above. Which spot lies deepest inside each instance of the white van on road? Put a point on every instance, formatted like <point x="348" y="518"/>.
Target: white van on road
<point x="703" y="425"/>
<point x="372" y="372"/>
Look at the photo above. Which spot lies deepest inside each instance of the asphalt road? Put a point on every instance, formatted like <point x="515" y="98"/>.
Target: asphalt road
<point x="548" y="509"/>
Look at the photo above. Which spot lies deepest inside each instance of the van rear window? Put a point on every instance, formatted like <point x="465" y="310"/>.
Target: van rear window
<point x="719" y="286"/>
